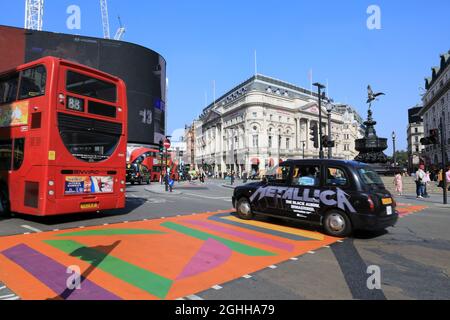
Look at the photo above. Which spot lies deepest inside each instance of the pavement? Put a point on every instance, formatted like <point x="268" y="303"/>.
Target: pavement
<point x="195" y="221"/>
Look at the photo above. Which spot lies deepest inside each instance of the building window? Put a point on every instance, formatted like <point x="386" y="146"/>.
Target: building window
<point x="270" y="141"/>
<point x="270" y="117"/>
<point x="255" y="141"/>
<point x="416" y="130"/>
<point x="288" y="142"/>
<point x="254" y="114"/>
<point x="279" y="118"/>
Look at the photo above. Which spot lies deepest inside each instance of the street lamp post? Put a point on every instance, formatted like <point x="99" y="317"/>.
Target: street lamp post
<point x="395" y="153"/>
<point x="319" y="91"/>
<point x="444" y="156"/>
<point x="329" y="109"/>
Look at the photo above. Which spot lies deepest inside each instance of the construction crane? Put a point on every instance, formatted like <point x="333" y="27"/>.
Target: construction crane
<point x="105" y="19"/>
<point x="120" y="31"/>
<point x="34" y="12"/>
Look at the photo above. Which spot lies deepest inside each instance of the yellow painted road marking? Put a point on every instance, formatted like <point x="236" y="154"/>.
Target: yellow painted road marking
<point x="270" y="226"/>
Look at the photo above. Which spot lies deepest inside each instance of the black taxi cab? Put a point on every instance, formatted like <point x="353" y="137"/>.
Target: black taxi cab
<point x="341" y="196"/>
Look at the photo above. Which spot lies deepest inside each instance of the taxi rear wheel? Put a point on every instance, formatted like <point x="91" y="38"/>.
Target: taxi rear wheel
<point x="244" y="209"/>
<point x="337" y="224"/>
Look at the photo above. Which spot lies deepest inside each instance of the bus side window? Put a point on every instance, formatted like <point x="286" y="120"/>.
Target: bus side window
<point x="5" y="154"/>
<point x="19" y="148"/>
<point x="32" y="82"/>
<point x="8" y="88"/>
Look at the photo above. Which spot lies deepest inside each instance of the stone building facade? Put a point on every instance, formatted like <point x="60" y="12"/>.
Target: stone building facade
<point x="414" y="133"/>
<point x="264" y="121"/>
<point x="436" y="105"/>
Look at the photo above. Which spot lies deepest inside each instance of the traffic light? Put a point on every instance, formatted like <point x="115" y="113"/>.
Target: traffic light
<point x="314" y="133"/>
<point x="327" y="143"/>
<point x="433" y="138"/>
<point x="161" y="146"/>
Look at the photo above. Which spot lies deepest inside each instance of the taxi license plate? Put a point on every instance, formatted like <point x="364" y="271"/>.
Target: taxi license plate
<point x="92" y="205"/>
<point x="386" y="201"/>
<point x="388" y="210"/>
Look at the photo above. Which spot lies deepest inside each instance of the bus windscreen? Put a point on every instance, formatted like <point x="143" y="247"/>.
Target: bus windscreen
<point x="90" y="87"/>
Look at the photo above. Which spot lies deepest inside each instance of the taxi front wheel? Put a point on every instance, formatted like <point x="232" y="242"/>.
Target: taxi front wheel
<point x="337" y="224"/>
<point x="244" y="209"/>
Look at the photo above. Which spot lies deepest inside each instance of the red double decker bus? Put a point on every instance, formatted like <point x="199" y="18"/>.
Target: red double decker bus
<point x="63" y="137"/>
<point x="151" y="158"/>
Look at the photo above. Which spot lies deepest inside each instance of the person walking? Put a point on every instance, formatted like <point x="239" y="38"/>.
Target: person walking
<point x="420" y="176"/>
<point x="426" y="182"/>
<point x="398" y="182"/>
<point x="232" y="177"/>
<point x="244" y="176"/>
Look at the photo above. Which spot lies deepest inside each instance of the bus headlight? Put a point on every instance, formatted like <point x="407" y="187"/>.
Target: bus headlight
<point x="51" y="192"/>
<point x="121" y="190"/>
<point x="122" y="182"/>
<point x="51" y="183"/>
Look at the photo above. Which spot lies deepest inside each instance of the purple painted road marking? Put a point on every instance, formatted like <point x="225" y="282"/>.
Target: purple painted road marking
<point x="54" y="275"/>
<point x="211" y="255"/>
<point x="250" y="237"/>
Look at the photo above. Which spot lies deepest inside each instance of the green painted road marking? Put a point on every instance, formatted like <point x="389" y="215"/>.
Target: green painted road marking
<point x="233" y="245"/>
<point x="146" y="280"/>
<point x="109" y="232"/>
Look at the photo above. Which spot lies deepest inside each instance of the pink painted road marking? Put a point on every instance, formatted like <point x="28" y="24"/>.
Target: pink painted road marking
<point x="211" y="255"/>
<point x="250" y="237"/>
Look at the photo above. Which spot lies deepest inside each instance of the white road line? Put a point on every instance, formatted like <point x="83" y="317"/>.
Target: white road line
<point x="206" y="197"/>
<point x="294" y="259"/>
<point x="311" y="252"/>
<point x="180" y="299"/>
<point x="247" y="276"/>
<point x="4" y="287"/>
<point x="216" y="287"/>
<point x="340" y="241"/>
<point x="13" y="298"/>
<point x="326" y="246"/>
<point x="193" y="297"/>
<point x="30" y="228"/>
<point x="273" y="266"/>
<point x="7" y="296"/>
<point x="55" y="229"/>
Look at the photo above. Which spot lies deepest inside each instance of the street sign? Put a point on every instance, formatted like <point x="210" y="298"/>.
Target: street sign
<point x="167" y="143"/>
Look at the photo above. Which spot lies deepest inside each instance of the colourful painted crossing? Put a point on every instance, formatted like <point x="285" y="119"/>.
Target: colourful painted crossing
<point x="156" y="259"/>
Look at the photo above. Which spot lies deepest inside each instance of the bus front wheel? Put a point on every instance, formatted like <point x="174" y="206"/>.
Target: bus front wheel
<point x="4" y="202"/>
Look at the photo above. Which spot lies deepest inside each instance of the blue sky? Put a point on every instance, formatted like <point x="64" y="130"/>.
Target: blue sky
<point x="211" y="40"/>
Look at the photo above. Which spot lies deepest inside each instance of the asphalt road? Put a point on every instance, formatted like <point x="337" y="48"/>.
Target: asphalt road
<point x="413" y="257"/>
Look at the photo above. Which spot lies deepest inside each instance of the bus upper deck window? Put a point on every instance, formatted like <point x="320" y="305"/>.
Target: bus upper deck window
<point x="91" y="87"/>
<point x="5" y="154"/>
<point x="32" y="82"/>
<point x="8" y="88"/>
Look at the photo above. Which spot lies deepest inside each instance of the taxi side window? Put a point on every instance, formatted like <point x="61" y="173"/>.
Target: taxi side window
<point x="336" y="177"/>
<point x="306" y="175"/>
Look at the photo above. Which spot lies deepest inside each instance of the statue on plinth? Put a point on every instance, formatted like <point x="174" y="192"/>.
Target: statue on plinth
<point x="371" y="147"/>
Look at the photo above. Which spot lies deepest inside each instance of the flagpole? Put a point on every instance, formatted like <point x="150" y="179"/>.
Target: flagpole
<point x="256" y="65"/>
<point x="214" y="92"/>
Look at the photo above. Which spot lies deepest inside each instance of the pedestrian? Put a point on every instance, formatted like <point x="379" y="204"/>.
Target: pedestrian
<point x="426" y="182"/>
<point x="420" y="176"/>
<point x="244" y="176"/>
<point x="398" y="182"/>
<point x="232" y="177"/>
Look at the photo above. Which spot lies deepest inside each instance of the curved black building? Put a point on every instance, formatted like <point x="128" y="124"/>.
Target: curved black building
<point x="142" y="69"/>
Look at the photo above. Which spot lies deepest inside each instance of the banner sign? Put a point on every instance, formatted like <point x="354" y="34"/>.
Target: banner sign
<point x="88" y="184"/>
<point x="14" y="114"/>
